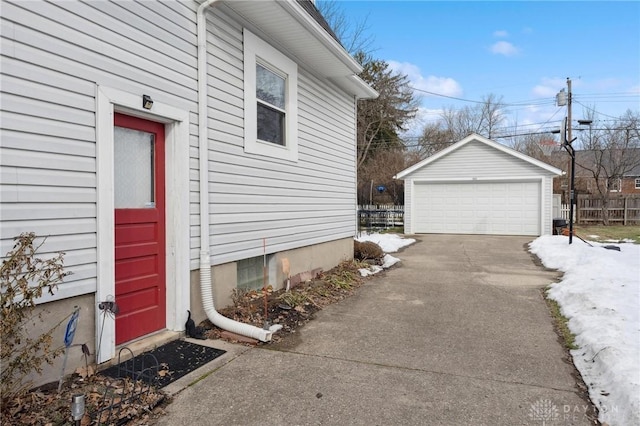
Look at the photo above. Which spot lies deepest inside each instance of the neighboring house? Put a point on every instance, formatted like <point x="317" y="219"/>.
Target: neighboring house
<point x="619" y="172"/>
<point x="619" y="175"/>
<point x="167" y="146"/>
<point x="478" y="186"/>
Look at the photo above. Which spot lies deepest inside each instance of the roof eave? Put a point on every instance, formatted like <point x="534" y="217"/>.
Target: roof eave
<point x="484" y="140"/>
<point x="289" y="26"/>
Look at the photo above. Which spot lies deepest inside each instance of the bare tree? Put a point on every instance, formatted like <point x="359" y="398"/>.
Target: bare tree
<point x="353" y="34"/>
<point x="455" y="124"/>
<point x="491" y="115"/>
<point x="610" y="153"/>
<point x="435" y="137"/>
<point x="379" y="171"/>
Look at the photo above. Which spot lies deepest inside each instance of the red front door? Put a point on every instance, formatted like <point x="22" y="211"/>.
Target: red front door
<point x="139" y="227"/>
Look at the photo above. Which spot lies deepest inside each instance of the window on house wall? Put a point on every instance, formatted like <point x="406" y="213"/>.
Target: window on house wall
<point x="637" y="183"/>
<point x="250" y="273"/>
<point x="614" y="184"/>
<point x="270" y="101"/>
<point x="271" y="113"/>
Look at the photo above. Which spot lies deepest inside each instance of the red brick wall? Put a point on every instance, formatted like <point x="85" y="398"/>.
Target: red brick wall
<point x="629" y="186"/>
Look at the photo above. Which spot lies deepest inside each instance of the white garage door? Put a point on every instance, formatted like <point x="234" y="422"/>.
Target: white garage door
<point x="499" y="208"/>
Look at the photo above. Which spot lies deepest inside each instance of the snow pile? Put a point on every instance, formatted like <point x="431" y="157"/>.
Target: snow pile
<point x="390" y="243"/>
<point x="600" y="295"/>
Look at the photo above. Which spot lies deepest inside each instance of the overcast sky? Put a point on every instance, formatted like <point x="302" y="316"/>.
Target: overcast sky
<point x="520" y="50"/>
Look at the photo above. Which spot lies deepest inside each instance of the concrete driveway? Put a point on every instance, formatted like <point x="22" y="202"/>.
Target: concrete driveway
<point x="458" y="334"/>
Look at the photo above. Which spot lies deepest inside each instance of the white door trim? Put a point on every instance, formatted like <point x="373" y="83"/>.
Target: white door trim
<point x="108" y="101"/>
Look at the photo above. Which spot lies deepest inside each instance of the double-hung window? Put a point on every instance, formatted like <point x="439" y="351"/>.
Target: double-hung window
<point x="614" y="184"/>
<point x="270" y="101"/>
<point x="271" y="112"/>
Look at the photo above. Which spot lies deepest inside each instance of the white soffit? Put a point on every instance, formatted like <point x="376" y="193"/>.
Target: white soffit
<point x="291" y="29"/>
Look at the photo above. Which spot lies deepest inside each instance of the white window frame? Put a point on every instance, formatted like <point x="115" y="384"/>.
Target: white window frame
<point x="257" y="51"/>
<point x="637" y="183"/>
<point x="619" y="186"/>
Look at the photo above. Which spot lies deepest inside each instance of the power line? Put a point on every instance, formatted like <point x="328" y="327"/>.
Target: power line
<point x="446" y="96"/>
<point x="418" y="141"/>
<point x="597" y="112"/>
<point x="536" y="102"/>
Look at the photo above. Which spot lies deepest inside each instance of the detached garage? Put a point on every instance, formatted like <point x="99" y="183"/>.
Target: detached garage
<point x="478" y="186"/>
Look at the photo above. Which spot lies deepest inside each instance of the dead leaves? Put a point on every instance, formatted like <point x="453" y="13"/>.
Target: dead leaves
<point x="294" y="308"/>
<point x="48" y="407"/>
<point x="86" y="371"/>
<point x="163" y="371"/>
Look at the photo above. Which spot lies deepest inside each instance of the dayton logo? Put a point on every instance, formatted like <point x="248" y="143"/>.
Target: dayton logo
<point x="544" y="411"/>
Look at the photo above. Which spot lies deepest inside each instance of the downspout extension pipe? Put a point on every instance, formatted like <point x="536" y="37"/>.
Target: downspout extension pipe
<point x="205" y="259"/>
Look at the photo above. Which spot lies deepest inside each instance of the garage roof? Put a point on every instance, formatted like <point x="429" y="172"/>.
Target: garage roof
<point x="475" y="137"/>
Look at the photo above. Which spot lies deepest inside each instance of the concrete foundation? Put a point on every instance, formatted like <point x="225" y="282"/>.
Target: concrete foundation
<point x="59" y="313"/>
<point x="305" y="259"/>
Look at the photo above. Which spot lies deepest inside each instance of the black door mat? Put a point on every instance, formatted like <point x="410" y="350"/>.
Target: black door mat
<point x="164" y="364"/>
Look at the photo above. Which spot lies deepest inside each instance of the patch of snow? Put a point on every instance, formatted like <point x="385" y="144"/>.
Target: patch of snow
<point x="600" y="295"/>
<point x="275" y="327"/>
<point x="389" y="261"/>
<point x="593" y="236"/>
<point x="390" y="243"/>
<point x="373" y="269"/>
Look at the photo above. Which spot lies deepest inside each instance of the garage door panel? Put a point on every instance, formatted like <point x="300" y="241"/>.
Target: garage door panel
<point x="500" y="208"/>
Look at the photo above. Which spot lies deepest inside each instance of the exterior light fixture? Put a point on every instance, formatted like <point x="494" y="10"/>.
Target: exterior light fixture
<point x="77" y="408"/>
<point x="147" y="102"/>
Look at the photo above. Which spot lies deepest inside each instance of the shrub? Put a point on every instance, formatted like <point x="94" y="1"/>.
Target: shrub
<point x="23" y="279"/>
<point x="367" y="250"/>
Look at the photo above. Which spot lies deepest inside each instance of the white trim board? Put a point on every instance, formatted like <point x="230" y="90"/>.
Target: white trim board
<point x="109" y="101"/>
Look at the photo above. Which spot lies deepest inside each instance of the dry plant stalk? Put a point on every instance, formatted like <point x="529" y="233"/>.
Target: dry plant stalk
<point x="23" y="279"/>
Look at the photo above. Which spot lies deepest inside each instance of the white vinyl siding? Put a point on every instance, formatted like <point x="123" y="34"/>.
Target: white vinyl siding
<point x="477" y="160"/>
<point x="252" y="197"/>
<point x="54" y="54"/>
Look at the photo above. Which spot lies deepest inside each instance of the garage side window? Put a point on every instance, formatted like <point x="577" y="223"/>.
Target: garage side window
<point x="270" y="101"/>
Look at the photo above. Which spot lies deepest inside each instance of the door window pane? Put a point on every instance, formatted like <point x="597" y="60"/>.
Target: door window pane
<point x="133" y="168"/>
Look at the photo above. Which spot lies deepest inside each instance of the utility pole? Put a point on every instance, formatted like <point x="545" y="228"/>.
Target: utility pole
<point x="566" y="141"/>
<point x="573" y="161"/>
<point x="569" y="116"/>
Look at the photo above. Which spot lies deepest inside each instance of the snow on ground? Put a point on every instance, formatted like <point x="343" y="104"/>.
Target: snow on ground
<point x="390" y="243"/>
<point x="600" y="295"/>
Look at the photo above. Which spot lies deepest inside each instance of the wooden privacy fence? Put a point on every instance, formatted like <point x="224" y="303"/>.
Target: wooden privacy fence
<point x="622" y="210"/>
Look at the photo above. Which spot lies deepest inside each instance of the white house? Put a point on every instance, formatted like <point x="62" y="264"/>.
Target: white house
<point x="167" y="146"/>
<point x="478" y="186"/>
